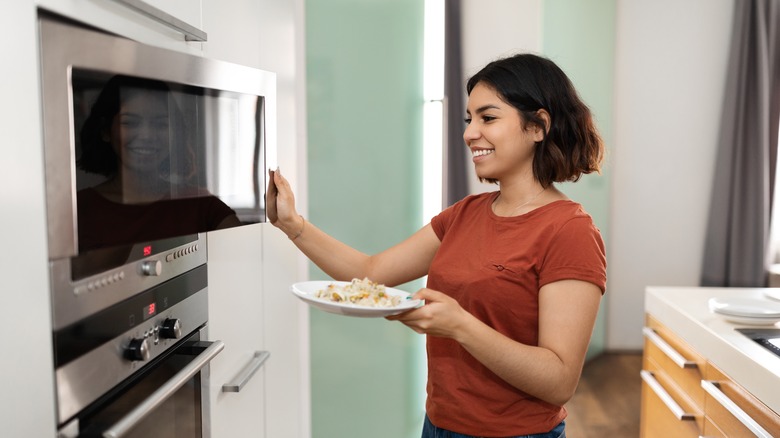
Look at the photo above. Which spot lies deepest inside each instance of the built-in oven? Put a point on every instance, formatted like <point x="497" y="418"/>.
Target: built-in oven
<point x="146" y="150"/>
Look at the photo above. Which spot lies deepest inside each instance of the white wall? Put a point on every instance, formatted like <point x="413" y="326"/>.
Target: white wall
<point x="669" y="78"/>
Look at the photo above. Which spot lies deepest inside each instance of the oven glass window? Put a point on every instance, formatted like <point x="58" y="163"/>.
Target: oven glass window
<point x="156" y="160"/>
<point x="179" y="416"/>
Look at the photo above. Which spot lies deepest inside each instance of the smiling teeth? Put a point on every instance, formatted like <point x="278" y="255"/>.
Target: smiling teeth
<point x="481" y="152"/>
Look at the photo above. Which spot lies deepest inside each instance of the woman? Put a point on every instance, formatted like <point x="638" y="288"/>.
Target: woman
<point x="514" y="276"/>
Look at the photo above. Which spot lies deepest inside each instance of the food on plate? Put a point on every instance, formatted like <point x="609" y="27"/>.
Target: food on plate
<point x="359" y="292"/>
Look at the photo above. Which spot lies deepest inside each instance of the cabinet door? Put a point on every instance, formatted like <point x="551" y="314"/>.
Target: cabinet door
<point x="286" y="326"/>
<point x="735" y="411"/>
<point x="235" y="317"/>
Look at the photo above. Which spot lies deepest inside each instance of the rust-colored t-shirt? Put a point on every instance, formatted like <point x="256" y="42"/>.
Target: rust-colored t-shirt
<point x="494" y="266"/>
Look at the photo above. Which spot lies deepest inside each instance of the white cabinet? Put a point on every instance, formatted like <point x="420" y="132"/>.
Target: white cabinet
<point x="286" y="321"/>
<point x="235" y="317"/>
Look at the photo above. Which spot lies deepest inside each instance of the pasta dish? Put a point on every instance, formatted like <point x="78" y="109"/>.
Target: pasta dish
<point x="359" y="292"/>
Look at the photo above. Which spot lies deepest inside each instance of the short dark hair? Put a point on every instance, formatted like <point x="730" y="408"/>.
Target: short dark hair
<point x="571" y="145"/>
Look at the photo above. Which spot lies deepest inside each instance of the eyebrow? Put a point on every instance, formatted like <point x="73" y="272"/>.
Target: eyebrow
<point x="484" y="108"/>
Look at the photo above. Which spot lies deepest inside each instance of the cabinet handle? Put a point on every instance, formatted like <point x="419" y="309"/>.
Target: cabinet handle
<point x="712" y="389"/>
<point x="191" y="33"/>
<point x="659" y="390"/>
<point x="659" y="342"/>
<point x="246" y="374"/>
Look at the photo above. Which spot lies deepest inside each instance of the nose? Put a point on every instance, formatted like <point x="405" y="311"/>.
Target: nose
<point x="470" y="133"/>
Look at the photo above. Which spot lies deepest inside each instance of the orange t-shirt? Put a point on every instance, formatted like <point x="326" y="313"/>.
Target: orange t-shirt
<point x="494" y="267"/>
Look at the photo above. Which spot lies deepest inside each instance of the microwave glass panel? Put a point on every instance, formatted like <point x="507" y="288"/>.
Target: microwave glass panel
<point x="156" y="159"/>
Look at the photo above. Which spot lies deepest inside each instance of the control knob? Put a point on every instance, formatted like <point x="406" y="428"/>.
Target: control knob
<point x="151" y="268"/>
<point x="171" y="328"/>
<point x="137" y="349"/>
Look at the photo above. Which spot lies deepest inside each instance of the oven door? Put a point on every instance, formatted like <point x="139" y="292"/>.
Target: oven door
<point x="168" y="398"/>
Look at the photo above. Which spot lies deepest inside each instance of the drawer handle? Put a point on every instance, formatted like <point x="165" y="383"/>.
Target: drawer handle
<point x="712" y="389"/>
<point x="659" y="390"/>
<point x="676" y="357"/>
<point x="246" y="374"/>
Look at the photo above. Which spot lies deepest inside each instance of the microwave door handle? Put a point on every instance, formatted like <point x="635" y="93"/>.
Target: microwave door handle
<point x="121" y="427"/>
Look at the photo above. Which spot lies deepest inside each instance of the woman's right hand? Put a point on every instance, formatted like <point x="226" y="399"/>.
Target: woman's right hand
<point x="280" y="204"/>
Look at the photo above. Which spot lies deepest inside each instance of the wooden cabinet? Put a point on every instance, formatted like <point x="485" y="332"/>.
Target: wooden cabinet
<point x="672" y="396"/>
<point x="733" y="411"/>
<point x="684" y="395"/>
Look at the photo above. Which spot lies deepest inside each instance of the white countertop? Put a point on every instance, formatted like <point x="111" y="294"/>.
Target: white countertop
<point x="685" y="311"/>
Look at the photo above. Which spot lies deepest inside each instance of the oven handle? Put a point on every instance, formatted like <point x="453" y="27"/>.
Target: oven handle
<point x="164" y="392"/>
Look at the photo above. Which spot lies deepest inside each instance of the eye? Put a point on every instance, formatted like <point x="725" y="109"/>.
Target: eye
<point x="467" y="120"/>
<point x="488" y="119"/>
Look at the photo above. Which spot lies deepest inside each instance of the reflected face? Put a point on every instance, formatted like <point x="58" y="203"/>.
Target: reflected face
<point x="140" y="133"/>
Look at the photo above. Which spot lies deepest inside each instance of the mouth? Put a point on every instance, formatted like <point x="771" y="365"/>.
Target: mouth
<point x="481" y="152"/>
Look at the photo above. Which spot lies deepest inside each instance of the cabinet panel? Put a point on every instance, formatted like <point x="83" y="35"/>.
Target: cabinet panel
<point x="235" y="317"/>
<point x="687" y="377"/>
<point x="725" y="420"/>
<point x="657" y="418"/>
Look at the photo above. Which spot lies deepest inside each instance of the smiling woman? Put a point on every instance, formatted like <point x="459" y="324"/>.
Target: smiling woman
<point x="514" y="277"/>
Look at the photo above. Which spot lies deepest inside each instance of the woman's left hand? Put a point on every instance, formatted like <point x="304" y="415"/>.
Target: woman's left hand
<point x="440" y="316"/>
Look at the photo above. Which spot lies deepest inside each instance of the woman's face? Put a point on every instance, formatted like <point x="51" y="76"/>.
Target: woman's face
<point x="140" y="133"/>
<point x="500" y="143"/>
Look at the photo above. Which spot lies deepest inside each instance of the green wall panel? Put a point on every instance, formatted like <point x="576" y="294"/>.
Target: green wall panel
<point x="364" y="97"/>
<point x="579" y="35"/>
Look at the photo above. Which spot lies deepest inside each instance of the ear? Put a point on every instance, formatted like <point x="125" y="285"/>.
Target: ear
<point x="540" y="131"/>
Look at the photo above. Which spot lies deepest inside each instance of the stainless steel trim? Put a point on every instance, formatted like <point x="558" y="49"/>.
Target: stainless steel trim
<point x="673" y="354"/>
<point x="191" y="33"/>
<point x="667" y="399"/>
<point x="712" y="389"/>
<point x="164" y="392"/>
<point x="247" y="372"/>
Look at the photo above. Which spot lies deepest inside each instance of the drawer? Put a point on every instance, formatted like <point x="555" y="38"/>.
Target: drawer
<point x="665" y="411"/>
<point x="733" y="410"/>
<point x="676" y="358"/>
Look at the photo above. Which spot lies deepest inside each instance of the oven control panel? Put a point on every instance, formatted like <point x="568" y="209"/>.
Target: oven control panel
<point x="96" y="354"/>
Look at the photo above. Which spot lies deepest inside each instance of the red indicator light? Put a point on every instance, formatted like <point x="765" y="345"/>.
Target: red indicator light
<point x="151" y="309"/>
<point x="148" y="250"/>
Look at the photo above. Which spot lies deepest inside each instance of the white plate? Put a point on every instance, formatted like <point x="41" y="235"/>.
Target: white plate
<point x="747" y="320"/>
<point x="307" y="290"/>
<point x="773" y="294"/>
<point x="746" y="307"/>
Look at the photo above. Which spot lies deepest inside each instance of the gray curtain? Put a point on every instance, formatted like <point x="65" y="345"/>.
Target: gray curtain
<point x="456" y="184"/>
<point x="737" y="238"/>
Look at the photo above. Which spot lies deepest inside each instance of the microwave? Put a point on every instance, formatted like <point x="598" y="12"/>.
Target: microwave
<point x="145" y="151"/>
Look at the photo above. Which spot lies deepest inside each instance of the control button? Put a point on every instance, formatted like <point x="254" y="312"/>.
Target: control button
<point x="151" y="268"/>
<point x="137" y="349"/>
<point x="169" y="257"/>
<point x="171" y="328"/>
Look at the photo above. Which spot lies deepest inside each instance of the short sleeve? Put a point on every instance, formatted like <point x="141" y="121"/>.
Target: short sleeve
<point x="576" y="253"/>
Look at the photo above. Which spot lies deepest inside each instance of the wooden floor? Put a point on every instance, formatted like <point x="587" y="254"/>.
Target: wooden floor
<point x="607" y="400"/>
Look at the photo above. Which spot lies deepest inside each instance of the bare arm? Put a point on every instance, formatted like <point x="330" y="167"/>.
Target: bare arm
<point x="549" y="371"/>
<point x="404" y="262"/>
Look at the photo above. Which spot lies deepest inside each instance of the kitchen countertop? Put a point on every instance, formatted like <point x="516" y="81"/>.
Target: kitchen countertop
<point x="685" y="311"/>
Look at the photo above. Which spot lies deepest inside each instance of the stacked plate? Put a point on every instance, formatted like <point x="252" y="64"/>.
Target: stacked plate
<point x="747" y="311"/>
